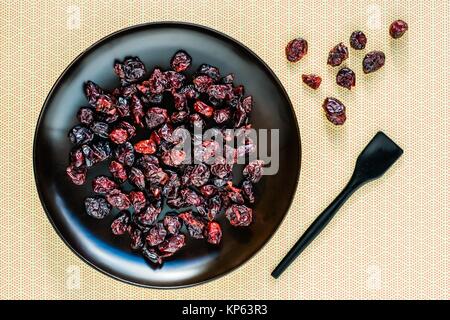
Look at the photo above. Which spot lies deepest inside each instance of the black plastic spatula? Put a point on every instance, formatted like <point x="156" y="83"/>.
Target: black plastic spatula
<point x="372" y="163"/>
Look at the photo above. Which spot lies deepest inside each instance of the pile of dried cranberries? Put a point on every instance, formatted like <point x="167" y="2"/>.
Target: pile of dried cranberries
<point x="334" y="109"/>
<point x="146" y="174"/>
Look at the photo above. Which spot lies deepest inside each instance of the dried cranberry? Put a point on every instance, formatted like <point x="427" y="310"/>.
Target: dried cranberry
<point x="170" y="246"/>
<point x="106" y="104"/>
<point x="137" y="110"/>
<point x="203" y="108"/>
<point x="155" y="117"/>
<point x="93" y="92"/>
<point x="247" y="191"/>
<point x="89" y="157"/>
<point x="123" y="107"/>
<point x="191" y="197"/>
<point x="80" y="135"/>
<point x="145" y="146"/>
<point x="208" y="190"/>
<point x="202" y="83"/>
<point x="179" y="117"/>
<point x="136" y="177"/>
<point x="97" y="207"/>
<point x="149" y="215"/>
<point x="296" y="49"/>
<point x="334" y="110"/>
<point x="220" y="91"/>
<point x="195" y="225"/>
<point x="180" y="61"/>
<point x="85" y="115"/>
<point x="76" y="175"/>
<point x="358" y="40"/>
<point x="239" y="215"/>
<point x="373" y="61"/>
<point x="118" y="135"/>
<point x="398" y="28"/>
<point x="102" y="184"/>
<point x="157" y="82"/>
<point x="124" y="153"/>
<point x="77" y="158"/>
<point x="254" y="171"/>
<point x="346" y="78"/>
<point x="131" y="70"/>
<point x="99" y="128"/>
<point x="138" y="200"/>
<point x="228" y="79"/>
<point x="173" y="157"/>
<point x="311" y="80"/>
<point x="213" y="232"/>
<point x="189" y="91"/>
<point x="172" y="224"/>
<point x="174" y="79"/>
<point x="214" y="207"/>
<point x="222" y="115"/>
<point x="199" y="175"/>
<point x="136" y="237"/>
<point x="210" y="71"/>
<point x="118" y="171"/>
<point x="118" y="199"/>
<point x="337" y="55"/>
<point x="120" y="225"/>
<point x="156" y="235"/>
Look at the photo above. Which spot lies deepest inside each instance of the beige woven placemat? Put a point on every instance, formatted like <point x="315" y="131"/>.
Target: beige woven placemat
<point x="391" y="240"/>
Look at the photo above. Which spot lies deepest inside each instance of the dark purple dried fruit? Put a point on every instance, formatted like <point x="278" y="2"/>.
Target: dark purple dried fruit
<point x="120" y="225"/>
<point x="311" y="80"/>
<point x="172" y="224"/>
<point x="296" y="49"/>
<point x="346" y="78"/>
<point x="334" y="110"/>
<point x="210" y="71"/>
<point x="130" y="71"/>
<point x="118" y="199"/>
<point x="85" y="115"/>
<point x="76" y="175"/>
<point x="149" y="215"/>
<point x="80" y="135"/>
<point x="373" y="61"/>
<point x="337" y="55"/>
<point x="239" y="215"/>
<point x="102" y="184"/>
<point x="136" y="177"/>
<point x="180" y="61"/>
<point x="118" y="171"/>
<point x="170" y="246"/>
<point x="358" y="40"/>
<point x="124" y="154"/>
<point x="398" y="28"/>
<point x="97" y="207"/>
<point x="138" y="200"/>
<point x="156" y="235"/>
<point x="99" y="128"/>
<point x="195" y="225"/>
<point x="254" y="171"/>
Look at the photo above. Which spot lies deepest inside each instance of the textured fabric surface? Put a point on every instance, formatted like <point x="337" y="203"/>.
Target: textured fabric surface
<point x="391" y="240"/>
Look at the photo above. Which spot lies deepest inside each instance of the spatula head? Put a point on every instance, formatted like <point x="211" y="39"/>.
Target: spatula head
<point x="376" y="158"/>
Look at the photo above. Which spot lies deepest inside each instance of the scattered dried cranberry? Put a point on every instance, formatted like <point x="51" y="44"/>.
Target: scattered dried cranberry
<point x="85" y="116"/>
<point x="102" y="184"/>
<point x="151" y="255"/>
<point x="120" y="225"/>
<point x="77" y="175"/>
<point x="373" y="61"/>
<point x="149" y="215"/>
<point x="195" y="225"/>
<point x="118" y="171"/>
<point x="80" y="135"/>
<point x="398" y="28"/>
<point x="180" y="61"/>
<point x="346" y="78"/>
<point x="97" y="207"/>
<point x="311" y="80"/>
<point x="358" y="40"/>
<point x="254" y="171"/>
<point x="170" y="246"/>
<point x="118" y="199"/>
<point x="210" y="71"/>
<point x="239" y="215"/>
<point x="296" y="49"/>
<point x="124" y="153"/>
<point x="138" y="200"/>
<point x="136" y="177"/>
<point x="172" y="224"/>
<point x="156" y="235"/>
<point x="130" y="71"/>
<point x="137" y="238"/>
<point x="337" y="55"/>
<point x="213" y="232"/>
<point x="334" y="110"/>
<point x="145" y="146"/>
<point x="203" y="108"/>
<point x="118" y="135"/>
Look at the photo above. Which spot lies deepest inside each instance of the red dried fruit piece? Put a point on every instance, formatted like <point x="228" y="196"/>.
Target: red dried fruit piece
<point x="136" y="177"/>
<point x="192" y="198"/>
<point x="220" y="91"/>
<point x="358" y="40"/>
<point x="170" y="246"/>
<point x="180" y="61"/>
<point x="80" y="135"/>
<point x="120" y="225"/>
<point x="239" y="215"/>
<point x="97" y="207"/>
<point x="155" y="117"/>
<point x="195" y="225"/>
<point x="213" y="232"/>
<point x="118" y="171"/>
<point x="137" y="110"/>
<point x="123" y="107"/>
<point x="199" y="175"/>
<point x="118" y="199"/>
<point x="156" y="235"/>
<point x="172" y="224"/>
<point x="173" y="157"/>
<point x="210" y="71"/>
<point x="131" y="70"/>
<point x="247" y="191"/>
<point x="203" y="108"/>
<point x="157" y="82"/>
<point x="77" y="158"/>
<point x="254" y="170"/>
<point x="118" y="135"/>
<point x="85" y="115"/>
<point x="149" y="215"/>
<point x="102" y="184"/>
<point x="398" y="28"/>
<point x="76" y="175"/>
<point x="208" y="190"/>
<point x="93" y="92"/>
<point x="138" y="200"/>
<point x="334" y="110"/>
<point x="202" y="83"/>
<point x="373" y="61"/>
<point x="175" y="80"/>
<point x="337" y="55"/>
<point x="214" y="207"/>
<point x="346" y="78"/>
<point x="106" y="104"/>
<point x="137" y="238"/>
<point x="222" y="115"/>
<point x="296" y="49"/>
<point x="145" y="146"/>
<point x="311" y="80"/>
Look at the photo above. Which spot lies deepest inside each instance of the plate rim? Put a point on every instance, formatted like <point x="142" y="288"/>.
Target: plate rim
<point x="94" y="46"/>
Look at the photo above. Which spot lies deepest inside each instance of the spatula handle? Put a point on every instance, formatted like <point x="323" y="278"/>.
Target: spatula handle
<point x="316" y="227"/>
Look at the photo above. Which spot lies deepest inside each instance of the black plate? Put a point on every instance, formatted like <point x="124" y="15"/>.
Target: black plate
<point x="92" y="240"/>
